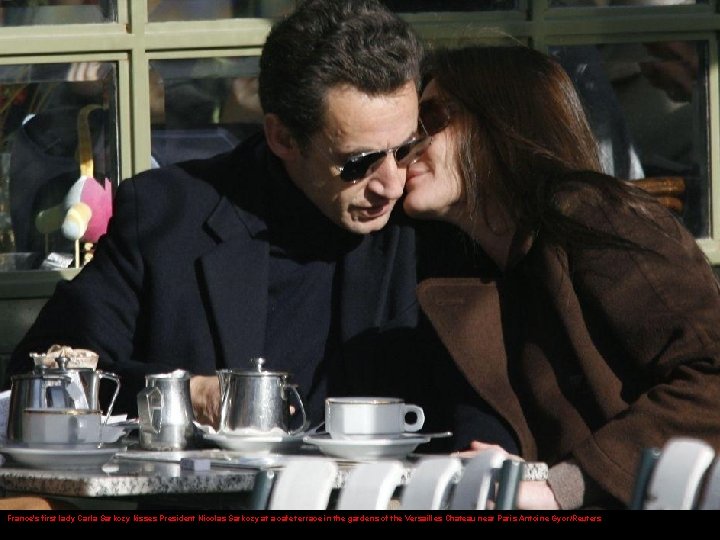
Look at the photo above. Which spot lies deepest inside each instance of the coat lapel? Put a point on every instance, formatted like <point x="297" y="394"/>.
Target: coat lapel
<point x="466" y="314"/>
<point x="235" y="274"/>
<point x="365" y="281"/>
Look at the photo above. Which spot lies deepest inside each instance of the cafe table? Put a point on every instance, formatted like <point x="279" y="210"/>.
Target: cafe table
<point x="138" y="479"/>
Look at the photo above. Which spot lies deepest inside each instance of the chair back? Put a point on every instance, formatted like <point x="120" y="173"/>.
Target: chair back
<point x="677" y="476"/>
<point x="478" y="480"/>
<point x="710" y="499"/>
<point x="667" y="190"/>
<point x="430" y="483"/>
<point x="370" y="486"/>
<point x="304" y="484"/>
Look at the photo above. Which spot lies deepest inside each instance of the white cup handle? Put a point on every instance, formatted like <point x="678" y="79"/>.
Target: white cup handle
<point x="419" y="417"/>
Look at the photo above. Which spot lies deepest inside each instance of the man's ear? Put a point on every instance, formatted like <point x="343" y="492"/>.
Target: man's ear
<point x="279" y="138"/>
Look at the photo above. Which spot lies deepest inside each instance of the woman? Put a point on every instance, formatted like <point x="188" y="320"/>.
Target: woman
<point x="597" y="332"/>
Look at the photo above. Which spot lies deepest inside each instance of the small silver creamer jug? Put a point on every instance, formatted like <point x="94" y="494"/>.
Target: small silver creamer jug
<point x="165" y="412"/>
<point x="256" y="401"/>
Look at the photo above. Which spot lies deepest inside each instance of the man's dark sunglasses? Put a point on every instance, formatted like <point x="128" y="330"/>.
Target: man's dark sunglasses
<point x="434" y="116"/>
<point x="358" y="165"/>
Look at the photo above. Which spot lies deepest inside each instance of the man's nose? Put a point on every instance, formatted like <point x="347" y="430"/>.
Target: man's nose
<point x="388" y="179"/>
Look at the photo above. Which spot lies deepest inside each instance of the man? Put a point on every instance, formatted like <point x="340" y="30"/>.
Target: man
<point x="287" y="247"/>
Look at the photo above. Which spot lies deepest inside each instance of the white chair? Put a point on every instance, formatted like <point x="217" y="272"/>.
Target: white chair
<point x="304" y="484"/>
<point x="677" y="475"/>
<point x="711" y="492"/>
<point x="430" y="483"/>
<point x="478" y="480"/>
<point x="370" y="486"/>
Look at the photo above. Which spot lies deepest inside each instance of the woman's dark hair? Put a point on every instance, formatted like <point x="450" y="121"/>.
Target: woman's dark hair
<point x="523" y="136"/>
<point x="329" y="43"/>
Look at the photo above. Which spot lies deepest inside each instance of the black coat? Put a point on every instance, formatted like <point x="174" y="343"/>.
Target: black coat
<point x="180" y="280"/>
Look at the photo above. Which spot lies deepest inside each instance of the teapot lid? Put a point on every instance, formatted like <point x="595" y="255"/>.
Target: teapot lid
<point x="179" y="374"/>
<point x="62" y="365"/>
<point x="64" y="358"/>
<point x="256" y="369"/>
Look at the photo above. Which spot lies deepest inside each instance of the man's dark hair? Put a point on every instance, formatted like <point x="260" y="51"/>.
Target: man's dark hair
<point x="329" y="43"/>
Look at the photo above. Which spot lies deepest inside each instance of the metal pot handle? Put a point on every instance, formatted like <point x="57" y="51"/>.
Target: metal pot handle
<point x="225" y="384"/>
<point x="116" y="380"/>
<point x="306" y="420"/>
<point x="149" y="400"/>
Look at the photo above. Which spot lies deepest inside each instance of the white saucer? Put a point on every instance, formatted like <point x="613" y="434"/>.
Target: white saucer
<point x="360" y="449"/>
<point x="256" y="444"/>
<point x="59" y="456"/>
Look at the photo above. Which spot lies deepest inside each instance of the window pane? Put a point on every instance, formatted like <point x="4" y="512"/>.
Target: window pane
<point x="648" y="106"/>
<point x="195" y="10"/>
<point x="28" y="12"/>
<point x="202" y="107"/>
<point x="414" y="6"/>
<point x="57" y="121"/>
<point x="611" y="3"/>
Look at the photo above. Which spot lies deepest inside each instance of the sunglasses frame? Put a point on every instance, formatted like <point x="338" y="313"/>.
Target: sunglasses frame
<point x="366" y="160"/>
<point x="353" y="171"/>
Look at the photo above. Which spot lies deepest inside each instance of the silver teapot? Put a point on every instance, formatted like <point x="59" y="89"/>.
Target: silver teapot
<point x="59" y="387"/>
<point x="256" y="401"/>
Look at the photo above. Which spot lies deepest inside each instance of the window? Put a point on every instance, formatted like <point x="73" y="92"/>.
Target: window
<point x="646" y="71"/>
<point x="56" y="125"/>
<point x="43" y="12"/>
<point x="160" y="80"/>
<point x="200" y="107"/>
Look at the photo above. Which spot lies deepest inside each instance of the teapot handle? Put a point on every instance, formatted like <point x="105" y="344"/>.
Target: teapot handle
<point x="306" y="420"/>
<point x="149" y="400"/>
<point x="116" y="380"/>
<point x="224" y="380"/>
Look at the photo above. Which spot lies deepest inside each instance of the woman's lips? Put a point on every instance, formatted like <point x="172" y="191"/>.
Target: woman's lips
<point x="411" y="179"/>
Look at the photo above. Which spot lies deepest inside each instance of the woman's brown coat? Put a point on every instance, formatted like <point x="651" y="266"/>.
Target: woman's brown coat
<point x="593" y="354"/>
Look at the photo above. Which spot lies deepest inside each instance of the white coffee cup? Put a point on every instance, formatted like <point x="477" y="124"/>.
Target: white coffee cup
<point x="370" y="417"/>
<point x="61" y="426"/>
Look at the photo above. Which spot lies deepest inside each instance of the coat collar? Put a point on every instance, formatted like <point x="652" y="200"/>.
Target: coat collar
<point x="236" y="277"/>
<point x="467" y="317"/>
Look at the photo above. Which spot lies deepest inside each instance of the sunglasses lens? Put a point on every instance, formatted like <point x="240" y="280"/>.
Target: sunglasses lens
<point x="357" y="167"/>
<point x="408" y="153"/>
<point x="434" y="116"/>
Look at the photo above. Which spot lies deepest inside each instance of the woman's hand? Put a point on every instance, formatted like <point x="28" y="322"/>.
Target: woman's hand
<point x="532" y="494"/>
<point x="205" y="398"/>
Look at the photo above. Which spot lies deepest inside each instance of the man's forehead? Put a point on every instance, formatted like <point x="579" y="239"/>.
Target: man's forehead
<point x="350" y="113"/>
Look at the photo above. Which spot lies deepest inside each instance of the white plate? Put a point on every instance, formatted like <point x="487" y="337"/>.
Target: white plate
<point x="60" y="457"/>
<point x="256" y="444"/>
<point x="395" y="448"/>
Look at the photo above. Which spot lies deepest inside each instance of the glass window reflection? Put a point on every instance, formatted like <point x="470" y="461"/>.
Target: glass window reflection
<point x="57" y="123"/>
<point x="611" y="3"/>
<point x="195" y="10"/>
<point x="201" y="107"/>
<point x="648" y="105"/>
<point x="31" y="12"/>
<point x="415" y="6"/>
